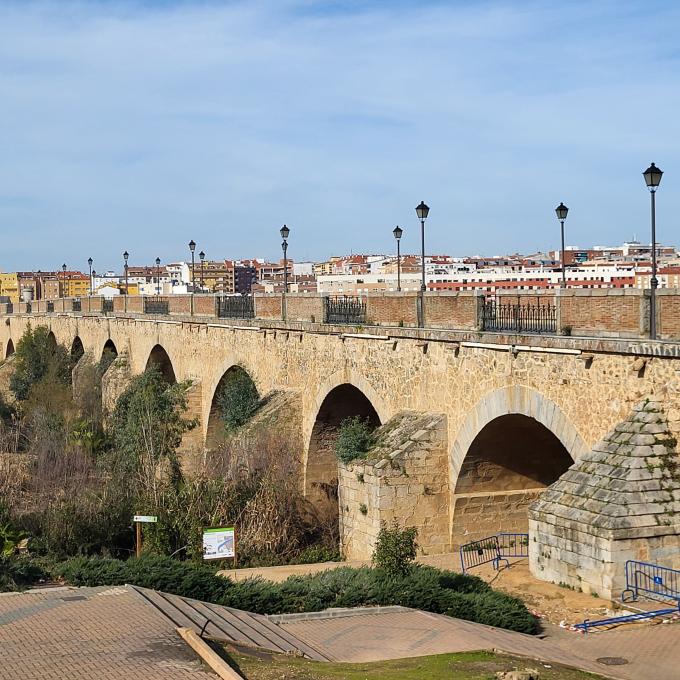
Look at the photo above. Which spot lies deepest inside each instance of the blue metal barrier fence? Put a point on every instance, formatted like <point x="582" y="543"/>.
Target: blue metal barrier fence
<point x="493" y="549"/>
<point x="652" y="581"/>
<point x="514" y="545"/>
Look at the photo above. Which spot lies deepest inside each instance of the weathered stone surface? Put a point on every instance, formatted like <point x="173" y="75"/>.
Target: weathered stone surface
<point x="613" y="510"/>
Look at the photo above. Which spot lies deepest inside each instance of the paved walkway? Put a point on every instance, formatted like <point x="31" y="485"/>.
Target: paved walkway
<point x="127" y="632"/>
<point x="652" y="651"/>
<point x="90" y="634"/>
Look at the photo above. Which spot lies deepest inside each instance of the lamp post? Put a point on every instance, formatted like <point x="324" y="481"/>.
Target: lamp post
<point x="285" y="231"/>
<point x="561" y="211"/>
<point x="89" y="262"/>
<point x="398" y="231"/>
<point x="63" y="278"/>
<point x="158" y="275"/>
<point x="192" y="248"/>
<point x="652" y="177"/>
<point x="201" y="256"/>
<point x="422" y="211"/>
<point x="125" y="267"/>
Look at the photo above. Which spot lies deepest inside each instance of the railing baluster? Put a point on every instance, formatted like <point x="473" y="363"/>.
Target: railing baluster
<point x="519" y="318"/>
<point x="345" y="309"/>
<point x="236" y="307"/>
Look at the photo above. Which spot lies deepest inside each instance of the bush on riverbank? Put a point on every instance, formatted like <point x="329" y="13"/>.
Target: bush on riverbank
<point x="426" y="588"/>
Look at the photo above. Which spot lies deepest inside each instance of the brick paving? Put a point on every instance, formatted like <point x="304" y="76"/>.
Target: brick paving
<point x="90" y="633"/>
<point x="652" y="651"/>
<point x="106" y="633"/>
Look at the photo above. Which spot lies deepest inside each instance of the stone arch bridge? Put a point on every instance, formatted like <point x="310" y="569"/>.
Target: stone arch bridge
<point x="474" y="425"/>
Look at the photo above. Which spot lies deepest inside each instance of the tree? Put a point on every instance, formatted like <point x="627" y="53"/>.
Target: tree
<point x="38" y="358"/>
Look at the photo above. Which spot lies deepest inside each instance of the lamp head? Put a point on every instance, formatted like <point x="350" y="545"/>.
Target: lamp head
<point x="422" y="210"/>
<point x="652" y="177"/>
<point x="561" y="211"/>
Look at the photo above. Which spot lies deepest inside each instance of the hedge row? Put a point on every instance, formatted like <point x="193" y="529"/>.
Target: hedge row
<point x="426" y="588"/>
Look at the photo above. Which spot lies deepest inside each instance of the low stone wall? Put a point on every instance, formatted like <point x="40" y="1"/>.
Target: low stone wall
<point x="406" y="479"/>
<point x="600" y="313"/>
<point x="478" y="515"/>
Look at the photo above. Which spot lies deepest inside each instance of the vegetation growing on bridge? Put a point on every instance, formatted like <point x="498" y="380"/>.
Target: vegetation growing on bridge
<point x="237" y="398"/>
<point x="355" y="439"/>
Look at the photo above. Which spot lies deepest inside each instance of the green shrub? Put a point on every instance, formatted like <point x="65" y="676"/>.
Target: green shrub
<point x="355" y="438"/>
<point x="395" y="549"/>
<point x="237" y="399"/>
<point x="425" y="588"/>
<point x="19" y="572"/>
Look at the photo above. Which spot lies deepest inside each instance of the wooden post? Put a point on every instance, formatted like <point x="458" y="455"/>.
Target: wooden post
<point x="138" y="539"/>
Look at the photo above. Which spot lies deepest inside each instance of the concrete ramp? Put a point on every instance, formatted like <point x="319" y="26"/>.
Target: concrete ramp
<point x="228" y="625"/>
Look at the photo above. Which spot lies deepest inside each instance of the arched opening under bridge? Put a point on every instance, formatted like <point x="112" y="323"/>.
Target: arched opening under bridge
<point x="159" y="358"/>
<point x="508" y="464"/>
<point x="321" y="470"/>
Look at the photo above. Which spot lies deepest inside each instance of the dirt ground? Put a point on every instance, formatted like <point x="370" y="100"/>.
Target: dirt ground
<point x="552" y="603"/>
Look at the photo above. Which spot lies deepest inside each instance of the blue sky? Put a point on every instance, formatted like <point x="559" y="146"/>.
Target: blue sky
<point x="142" y="125"/>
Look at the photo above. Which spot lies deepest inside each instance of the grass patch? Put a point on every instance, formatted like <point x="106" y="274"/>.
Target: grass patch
<point x="462" y="666"/>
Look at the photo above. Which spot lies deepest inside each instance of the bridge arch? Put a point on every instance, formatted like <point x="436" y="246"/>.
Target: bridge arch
<point x="159" y="358"/>
<point x="345" y="396"/>
<point x="52" y="340"/>
<point x="215" y="429"/>
<point x="514" y="443"/>
<point x="77" y="349"/>
<point x="10" y="349"/>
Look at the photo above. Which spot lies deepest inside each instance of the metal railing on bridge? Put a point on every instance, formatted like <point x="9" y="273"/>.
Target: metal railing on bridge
<point x="344" y="309"/>
<point x="107" y="305"/>
<point x="49" y="307"/>
<point x="77" y="305"/>
<point x="519" y="318"/>
<point x="156" y="305"/>
<point x="235" y="306"/>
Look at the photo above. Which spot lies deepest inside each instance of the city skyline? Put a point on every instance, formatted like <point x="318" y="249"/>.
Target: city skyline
<point x="136" y="125"/>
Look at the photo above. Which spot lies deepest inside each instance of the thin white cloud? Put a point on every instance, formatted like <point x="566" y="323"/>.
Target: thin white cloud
<point x="129" y="125"/>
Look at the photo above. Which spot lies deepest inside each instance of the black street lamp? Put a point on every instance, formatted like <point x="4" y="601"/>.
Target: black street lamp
<point x="63" y="288"/>
<point x="422" y="211"/>
<point x="285" y="231"/>
<point x="652" y="177"/>
<point x="398" y="231"/>
<point x="192" y="248"/>
<point x="158" y="275"/>
<point x="89" y="262"/>
<point x="201" y="255"/>
<point x="561" y="211"/>
<point x="125" y="267"/>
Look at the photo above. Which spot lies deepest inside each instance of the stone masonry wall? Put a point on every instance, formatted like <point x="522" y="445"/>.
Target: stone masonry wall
<point x="478" y="515"/>
<point x="409" y="483"/>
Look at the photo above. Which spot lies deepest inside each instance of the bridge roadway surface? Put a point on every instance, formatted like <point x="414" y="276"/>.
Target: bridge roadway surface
<point x="127" y="632"/>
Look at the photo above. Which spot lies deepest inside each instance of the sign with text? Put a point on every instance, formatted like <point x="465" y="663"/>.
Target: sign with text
<point x="148" y="519"/>
<point x="219" y="543"/>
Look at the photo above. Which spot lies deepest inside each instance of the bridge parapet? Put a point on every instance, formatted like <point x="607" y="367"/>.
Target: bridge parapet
<point x="602" y="313"/>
